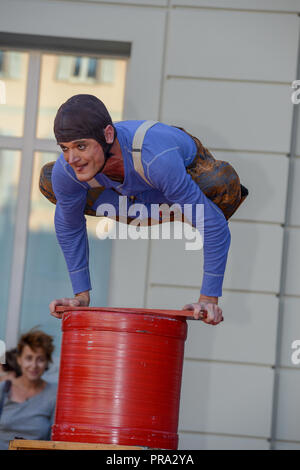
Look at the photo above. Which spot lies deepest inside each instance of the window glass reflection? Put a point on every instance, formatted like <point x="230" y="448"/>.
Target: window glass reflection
<point x="13" y="72"/>
<point x="9" y="179"/>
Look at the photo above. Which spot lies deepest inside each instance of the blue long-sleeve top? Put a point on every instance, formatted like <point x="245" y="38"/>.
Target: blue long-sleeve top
<point x="166" y="153"/>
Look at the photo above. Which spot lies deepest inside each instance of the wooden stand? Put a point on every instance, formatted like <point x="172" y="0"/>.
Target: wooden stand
<point x="23" y="444"/>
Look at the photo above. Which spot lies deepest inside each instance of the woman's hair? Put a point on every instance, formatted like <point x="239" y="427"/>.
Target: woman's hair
<point x="11" y="364"/>
<point x="36" y="339"/>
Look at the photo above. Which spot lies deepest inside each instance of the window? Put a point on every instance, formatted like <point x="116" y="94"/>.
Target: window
<point x="43" y="266"/>
<point x="107" y="70"/>
<point x="13" y="76"/>
<point x="9" y="180"/>
<point x="10" y="64"/>
<point x="86" y="69"/>
<point x="81" y="69"/>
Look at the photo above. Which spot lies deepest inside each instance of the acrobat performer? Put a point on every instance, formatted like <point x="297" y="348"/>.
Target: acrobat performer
<point x="150" y="163"/>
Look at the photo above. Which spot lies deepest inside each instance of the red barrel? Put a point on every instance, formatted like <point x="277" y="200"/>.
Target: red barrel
<point x="120" y="376"/>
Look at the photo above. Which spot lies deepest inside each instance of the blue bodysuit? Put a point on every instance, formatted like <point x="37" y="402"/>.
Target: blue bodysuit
<point x="166" y="153"/>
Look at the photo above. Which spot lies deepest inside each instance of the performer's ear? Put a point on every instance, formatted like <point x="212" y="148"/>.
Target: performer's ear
<point x="109" y="134"/>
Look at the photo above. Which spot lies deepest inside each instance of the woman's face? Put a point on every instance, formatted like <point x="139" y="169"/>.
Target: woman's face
<point x="32" y="363"/>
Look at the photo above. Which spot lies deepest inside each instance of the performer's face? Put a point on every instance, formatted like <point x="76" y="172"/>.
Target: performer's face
<point x="85" y="156"/>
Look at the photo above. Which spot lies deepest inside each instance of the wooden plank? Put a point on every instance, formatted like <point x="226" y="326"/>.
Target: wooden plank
<point x="23" y="444"/>
<point x="138" y="311"/>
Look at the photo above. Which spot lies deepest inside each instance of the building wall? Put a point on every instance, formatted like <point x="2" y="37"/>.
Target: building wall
<point x="223" y="71"/>
<point x="226" y="78"/>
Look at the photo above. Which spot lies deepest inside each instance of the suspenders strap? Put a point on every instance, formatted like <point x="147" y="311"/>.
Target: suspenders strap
<point x="137" y="144"/>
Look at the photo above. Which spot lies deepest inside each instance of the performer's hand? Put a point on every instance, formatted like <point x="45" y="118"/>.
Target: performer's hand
<point x="206" y="309"/>
<point x="80" y="300"/>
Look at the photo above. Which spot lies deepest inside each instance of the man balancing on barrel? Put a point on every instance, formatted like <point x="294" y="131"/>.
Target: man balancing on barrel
<point x="149" y="162"/>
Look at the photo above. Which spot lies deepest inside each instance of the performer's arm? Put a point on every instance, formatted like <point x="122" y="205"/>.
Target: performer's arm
<point x="70" y="227"/>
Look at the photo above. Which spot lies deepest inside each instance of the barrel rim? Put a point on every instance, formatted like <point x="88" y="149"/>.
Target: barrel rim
<point x="129" y="322"/>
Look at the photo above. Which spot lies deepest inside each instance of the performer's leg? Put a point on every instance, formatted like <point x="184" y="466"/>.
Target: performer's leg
<point x="217" y="179"/>
<point x="93" y="194"/>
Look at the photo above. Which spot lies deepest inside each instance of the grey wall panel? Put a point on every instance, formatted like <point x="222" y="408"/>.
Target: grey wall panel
<point x="287" y="446"/>
<point x="232" y="50"/>
<point x="293" y="269"/>
<point x="248" y="319"/>
<point x="295" y="211"/>
<point x="290" y="331"/>
<point x="244" y="325"/>
<point x="254" y="257"/>
<point x="265" y="176"/>
<point x="288" y="410"/>
<point x="211" y="442"/>
<point x="171" y="297"/>
<point x="254" y="248"/>
<point x="226" y="398"/>
<point x="231" y="115"/>
<point x="171" y="264"/>
<point x="298" y="130"/>
<point x="155" y="3"/>
<point x="128" y="273"/>
<point x="270" y="5"/>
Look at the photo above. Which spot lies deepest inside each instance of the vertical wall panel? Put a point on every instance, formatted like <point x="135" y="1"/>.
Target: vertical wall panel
<point x="210" y="442"/>
<point x="290" y="331"/>
<point x="287" y="446"/>
<point x="254" y="259"/>
<point x="293" y="272"/>
<point x="171" y="263"/>
<point x="254" y="248"/>
<point x="288" y="411"/>
<point x="248" y="318"/>
<point x="231" y="115"/>
<point x="295" y="212"/>
<point x="154" y="3"/>
<point x="265" y="5"/>
<point x="217" y="52"/>
<point x="225" y="398"/>
<point x="128" y="273"/>
<point x="265" y="176"/>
